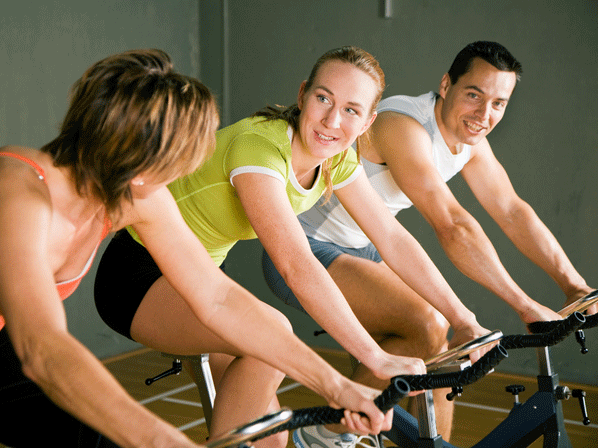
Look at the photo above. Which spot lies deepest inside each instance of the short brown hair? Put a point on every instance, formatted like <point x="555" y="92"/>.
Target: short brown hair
<point x="132" y="113"/>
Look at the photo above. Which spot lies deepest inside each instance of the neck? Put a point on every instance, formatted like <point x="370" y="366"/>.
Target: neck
<point x="78" y="208"/>
<point x="452" y="145"/>
<point x="304" y="166"/>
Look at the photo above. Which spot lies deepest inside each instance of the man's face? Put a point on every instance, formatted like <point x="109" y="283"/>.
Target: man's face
<point x="475" y="103"/>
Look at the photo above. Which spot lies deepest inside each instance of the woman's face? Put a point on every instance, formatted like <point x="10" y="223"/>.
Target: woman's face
<point x="335" y="110"/>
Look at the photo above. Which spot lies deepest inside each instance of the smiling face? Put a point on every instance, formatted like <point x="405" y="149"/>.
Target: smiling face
<point x="474" y="105"/>
<point x="335" y="110"/>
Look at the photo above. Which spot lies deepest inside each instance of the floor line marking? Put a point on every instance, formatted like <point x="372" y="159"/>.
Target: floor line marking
<point x="168" y="393"/>
<point x="185" y="402"/>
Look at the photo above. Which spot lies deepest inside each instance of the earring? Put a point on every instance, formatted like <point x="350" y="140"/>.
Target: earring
<point x="140" y="182"/>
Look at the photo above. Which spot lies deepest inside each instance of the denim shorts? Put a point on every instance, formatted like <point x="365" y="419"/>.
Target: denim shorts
<point x="326" y="253"/>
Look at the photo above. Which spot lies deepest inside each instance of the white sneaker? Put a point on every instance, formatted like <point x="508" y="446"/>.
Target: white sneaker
<point x="309" y="437"/>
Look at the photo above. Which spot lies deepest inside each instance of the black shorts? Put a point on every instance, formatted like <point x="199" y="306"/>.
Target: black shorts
<point x="125" y="274"/>
<point x="30" y="418"/>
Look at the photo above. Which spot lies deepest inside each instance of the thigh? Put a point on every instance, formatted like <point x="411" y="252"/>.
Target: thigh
<point x="165" y="322"/>
<point x="382" y="302"/>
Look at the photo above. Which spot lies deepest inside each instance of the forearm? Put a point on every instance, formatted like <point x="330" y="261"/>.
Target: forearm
<point x="324" y="302"/>
<point x="251" y="327"/>
<point x="470" y="250"/>
<point x="78" y="383"/>
<point x="421" y="275"/>
<point x="531" y="236"/>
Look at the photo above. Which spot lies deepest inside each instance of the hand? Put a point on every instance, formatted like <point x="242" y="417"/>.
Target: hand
<point x="468" y="333"/>
<point x="389" y="366"/>
<point x="572" y="298"/>
<point x="538" y="313"/>
<point x="357" y="400"/>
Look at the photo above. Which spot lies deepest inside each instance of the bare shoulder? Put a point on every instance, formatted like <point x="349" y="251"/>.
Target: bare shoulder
<point x="149" y="211"/>
<point x="20" y="179"/>
<point x="391" y="122"/>
<point x="395" y="136"/>
<point x="481" y="153"/>
<point x="25" y="203"/>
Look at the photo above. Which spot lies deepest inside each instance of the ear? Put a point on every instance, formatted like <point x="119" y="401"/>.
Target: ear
<point x="369" y="123"/>
<point x="138" y="180"/>
<point x="300" y="95"/>
<point x="445" y="83"/>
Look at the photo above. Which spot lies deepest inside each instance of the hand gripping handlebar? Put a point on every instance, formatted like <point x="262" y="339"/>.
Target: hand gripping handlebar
<point x="548" y="333"/>
<point x="324" y="415"/>
<point x="461" y="378"/>
<point x="556" y="332"/>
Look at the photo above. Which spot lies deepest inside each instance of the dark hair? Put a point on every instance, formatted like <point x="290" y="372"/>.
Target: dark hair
<point x="132" y="113"/>
<point x="491" y="52"/>
<point x="351" y="55"/>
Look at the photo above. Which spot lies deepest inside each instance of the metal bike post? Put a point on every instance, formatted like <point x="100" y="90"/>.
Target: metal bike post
<point x="555" y="435"/>
<point x="428" y="433"/>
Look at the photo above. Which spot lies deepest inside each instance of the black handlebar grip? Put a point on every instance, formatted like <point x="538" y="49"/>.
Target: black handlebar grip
<point x="462" y="378"/>
<point x="324" y="415"/>
<point x="553" y="333"/>
<point x="591" y="322"/>
<point x="392" y="395"/>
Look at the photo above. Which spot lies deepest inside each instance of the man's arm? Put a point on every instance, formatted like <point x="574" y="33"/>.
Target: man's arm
<point x="405" y="146"/>
<point x="491" y="185"/>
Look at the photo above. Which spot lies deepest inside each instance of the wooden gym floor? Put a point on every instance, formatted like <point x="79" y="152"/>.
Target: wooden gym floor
<point x="482" y="406"/>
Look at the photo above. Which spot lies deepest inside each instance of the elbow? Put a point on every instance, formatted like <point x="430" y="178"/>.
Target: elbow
<point x="298" y="272"/>
<point x="453" y="229"/>
<point x="31" y="359"/>
<point x="35" y="355"/>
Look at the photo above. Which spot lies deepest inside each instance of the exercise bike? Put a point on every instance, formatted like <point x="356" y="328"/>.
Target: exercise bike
<point x="540" y="415"/>
<point x="286" y="420"/>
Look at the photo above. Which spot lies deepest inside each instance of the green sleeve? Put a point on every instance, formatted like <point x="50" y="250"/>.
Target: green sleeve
<point x="252" y="150"/>
<point x="346" y="169"/>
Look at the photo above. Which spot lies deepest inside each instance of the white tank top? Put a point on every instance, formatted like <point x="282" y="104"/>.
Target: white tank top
<point x="330" y="222"/>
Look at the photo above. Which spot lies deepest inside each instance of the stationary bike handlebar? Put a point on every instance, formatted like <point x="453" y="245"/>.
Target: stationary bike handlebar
<point x="557" y="331"/>
<point x="549" y="333"/>
<point x="324" y="415"/>
<point x="546" y="333"/>
<point x="544" y="327"/>
<point x="460" y="378"/>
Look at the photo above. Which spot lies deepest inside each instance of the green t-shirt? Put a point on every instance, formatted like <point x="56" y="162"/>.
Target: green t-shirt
<point x="207" y="198"/>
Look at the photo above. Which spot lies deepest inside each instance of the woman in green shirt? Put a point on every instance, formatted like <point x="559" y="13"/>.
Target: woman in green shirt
<point x="265" y="170"/>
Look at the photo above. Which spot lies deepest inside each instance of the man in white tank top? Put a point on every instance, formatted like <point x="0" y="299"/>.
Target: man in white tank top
<point x="417" y="145"/>
<point x="411" y="135"/>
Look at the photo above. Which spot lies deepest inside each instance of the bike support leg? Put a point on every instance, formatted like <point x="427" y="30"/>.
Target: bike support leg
<point x="541" y="414"/>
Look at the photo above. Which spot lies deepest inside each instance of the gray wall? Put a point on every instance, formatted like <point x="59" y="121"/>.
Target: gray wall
<point x="253" y="53"/>
<point x="547" y="140"/>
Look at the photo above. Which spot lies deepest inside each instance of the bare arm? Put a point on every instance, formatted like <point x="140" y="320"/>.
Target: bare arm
<point x="460" y="235"/>
<point x="520" y="222"/>
<point x="271" y="216"/>
<point x="235" y="315"/>
<point x="396" y="245"/>
<point x="35" y="320"/>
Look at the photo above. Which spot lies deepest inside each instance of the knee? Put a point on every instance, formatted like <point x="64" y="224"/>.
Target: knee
<point x="284" y="320"/>
<point x="432" y="338"/>
<point x="279" y="439"/>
